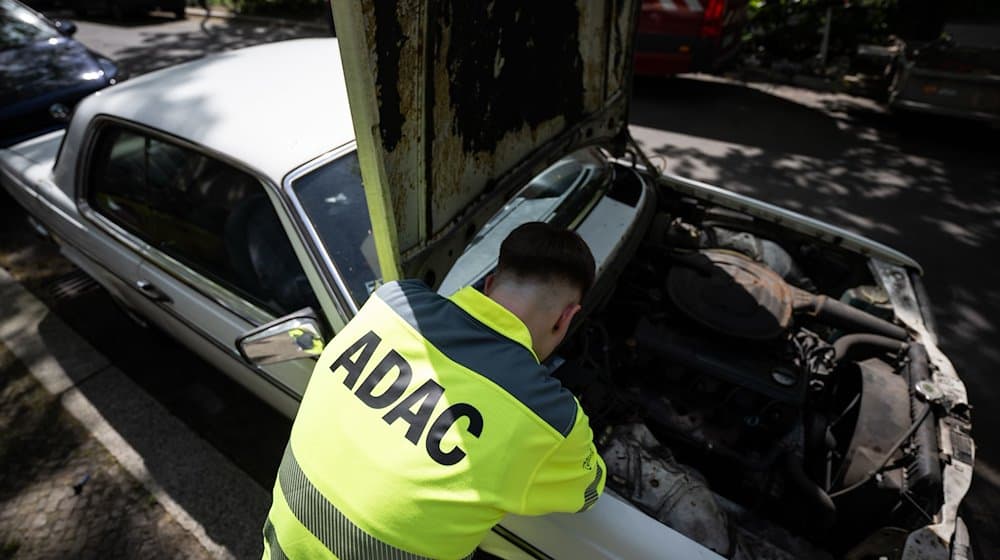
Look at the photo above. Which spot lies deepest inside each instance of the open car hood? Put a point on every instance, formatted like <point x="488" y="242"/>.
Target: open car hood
<point x="457" y="104"/>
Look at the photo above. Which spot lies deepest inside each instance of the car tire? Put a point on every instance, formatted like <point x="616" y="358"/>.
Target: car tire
<point x="180" y="11"/>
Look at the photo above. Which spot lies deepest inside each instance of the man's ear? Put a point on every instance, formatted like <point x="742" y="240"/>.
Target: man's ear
<point x="566" y="317"/>
<point x="488" y="286"/>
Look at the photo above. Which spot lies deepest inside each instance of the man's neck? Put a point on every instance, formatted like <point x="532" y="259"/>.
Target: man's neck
<point x="527" y="305"/>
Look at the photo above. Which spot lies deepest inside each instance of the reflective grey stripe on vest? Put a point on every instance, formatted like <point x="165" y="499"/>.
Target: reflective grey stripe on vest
<point x="338" y="534"/>
<point x="590" y="494"/>
<point x="467" y="341"/>
<point x="272" y="542"/>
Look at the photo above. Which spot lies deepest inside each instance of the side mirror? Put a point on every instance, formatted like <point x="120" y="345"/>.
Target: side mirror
<point x="66" y="27"/>
<point x="291" y="337"/>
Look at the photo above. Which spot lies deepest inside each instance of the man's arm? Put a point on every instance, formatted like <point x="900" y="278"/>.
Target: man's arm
<point x="571" y="478"/>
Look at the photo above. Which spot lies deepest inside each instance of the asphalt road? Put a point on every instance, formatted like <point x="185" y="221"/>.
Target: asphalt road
<point x="149" y="42"/>
<point x="927" y="186"/>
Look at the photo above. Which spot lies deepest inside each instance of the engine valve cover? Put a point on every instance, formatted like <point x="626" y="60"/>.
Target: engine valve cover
<point x="731" y="294"/>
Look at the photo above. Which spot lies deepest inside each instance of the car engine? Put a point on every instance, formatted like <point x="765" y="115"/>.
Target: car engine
<point x="756" y="394"/>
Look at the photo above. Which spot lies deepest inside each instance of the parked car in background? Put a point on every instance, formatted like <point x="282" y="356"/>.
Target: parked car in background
<point x="676" y="36"/>
<point x="957" y="74"/>
<point x="715" y="328"/>
<point x="43" y="72"/>
<point x="122" y="9"/>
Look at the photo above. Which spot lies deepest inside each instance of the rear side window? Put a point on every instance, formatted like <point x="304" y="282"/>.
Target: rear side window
<point x="209" y="215"/>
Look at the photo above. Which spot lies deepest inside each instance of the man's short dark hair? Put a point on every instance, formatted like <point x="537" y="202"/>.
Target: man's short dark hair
<point x="542" y="252"/>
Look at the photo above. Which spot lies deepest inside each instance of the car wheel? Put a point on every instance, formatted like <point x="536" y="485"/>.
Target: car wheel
<point x="179" y="10"/>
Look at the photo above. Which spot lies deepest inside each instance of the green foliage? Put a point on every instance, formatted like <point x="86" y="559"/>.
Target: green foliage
<point x="8" y="549"/>
<point x="793" y="29"/>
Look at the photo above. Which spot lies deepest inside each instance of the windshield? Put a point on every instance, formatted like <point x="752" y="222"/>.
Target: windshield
<point x="334" y="203"/>
<point x="20" y="26"/>
<point x="559" y="195"/>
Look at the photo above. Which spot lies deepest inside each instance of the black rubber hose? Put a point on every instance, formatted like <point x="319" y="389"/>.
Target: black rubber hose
<point x="826" y="509"/>
<point x="663" y="415"/>
<point x="853" y="344"/>
<point x="838" y="314"/>
<point x="925" y="471"/>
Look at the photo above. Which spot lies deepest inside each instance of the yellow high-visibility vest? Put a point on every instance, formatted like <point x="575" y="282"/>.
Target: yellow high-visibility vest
<point x="425" y="421"/>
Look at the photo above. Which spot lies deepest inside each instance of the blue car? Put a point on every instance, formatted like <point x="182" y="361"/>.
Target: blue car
<point x="43" y="73"/>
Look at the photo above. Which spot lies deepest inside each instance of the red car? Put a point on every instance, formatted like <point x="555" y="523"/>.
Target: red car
<point x="676" y="36"/>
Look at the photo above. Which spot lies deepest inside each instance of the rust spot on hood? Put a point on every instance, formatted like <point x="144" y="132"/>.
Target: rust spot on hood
<point x="389" y="40"/>
<point x="511" y="64"/>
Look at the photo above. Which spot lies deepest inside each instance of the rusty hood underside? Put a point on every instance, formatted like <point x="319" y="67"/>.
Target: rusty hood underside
<point x="456" y="104"/>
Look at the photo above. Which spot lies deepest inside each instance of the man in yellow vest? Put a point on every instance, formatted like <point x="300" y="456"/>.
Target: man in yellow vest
<point x="427" y="418"/>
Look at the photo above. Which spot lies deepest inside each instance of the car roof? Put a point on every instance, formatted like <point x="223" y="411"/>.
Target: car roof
<point x="271" y="107"/>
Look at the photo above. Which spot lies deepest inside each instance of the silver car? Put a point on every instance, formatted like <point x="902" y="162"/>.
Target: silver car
<point x="956" y="75"/>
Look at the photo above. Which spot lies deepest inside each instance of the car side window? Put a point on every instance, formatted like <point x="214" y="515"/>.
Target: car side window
<point x="212" y="217"/>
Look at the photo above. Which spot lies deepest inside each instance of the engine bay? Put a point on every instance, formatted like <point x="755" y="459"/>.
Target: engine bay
<point x="752" y="388"/>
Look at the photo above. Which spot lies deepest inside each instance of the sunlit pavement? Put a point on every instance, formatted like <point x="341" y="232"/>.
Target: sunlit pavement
<point x="91" y="465"/>
<point x="63" y="494"/>
<point x="927" y="186"/>
<point x="146" y="43"/>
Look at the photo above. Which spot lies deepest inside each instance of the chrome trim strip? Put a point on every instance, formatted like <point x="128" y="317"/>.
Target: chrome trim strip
<point x="344" y="294"/>
<point x="224" y="297"/>
<point x="520" y="543"/>
<point x="118" y="233"/>
<point x="32" y="192"/>
<point x="63" y="240"/>
<point x="781" y="216"/>
<point x="57" y="210"/>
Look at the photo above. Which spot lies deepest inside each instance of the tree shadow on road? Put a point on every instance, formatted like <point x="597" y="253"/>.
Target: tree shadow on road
<point x="925" y="185"/>
<point x="131" y="21"/>
<point x="166" y="47"/>
<point x="166" y="42"/>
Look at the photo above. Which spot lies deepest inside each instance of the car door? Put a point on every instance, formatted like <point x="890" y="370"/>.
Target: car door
<point x="216" y="262"/>
<point x="107" y="243"/>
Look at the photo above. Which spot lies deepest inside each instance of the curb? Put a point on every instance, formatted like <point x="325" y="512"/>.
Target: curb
<point x="806" y="81"/>
<point x="201" y="489"/>
<point x="226" y="14"/>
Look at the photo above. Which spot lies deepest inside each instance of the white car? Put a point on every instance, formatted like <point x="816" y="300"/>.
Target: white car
<point x="765" y="350"/>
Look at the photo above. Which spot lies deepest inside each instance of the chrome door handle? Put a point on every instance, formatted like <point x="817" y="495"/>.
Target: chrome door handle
<point x="152" y="292"/>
